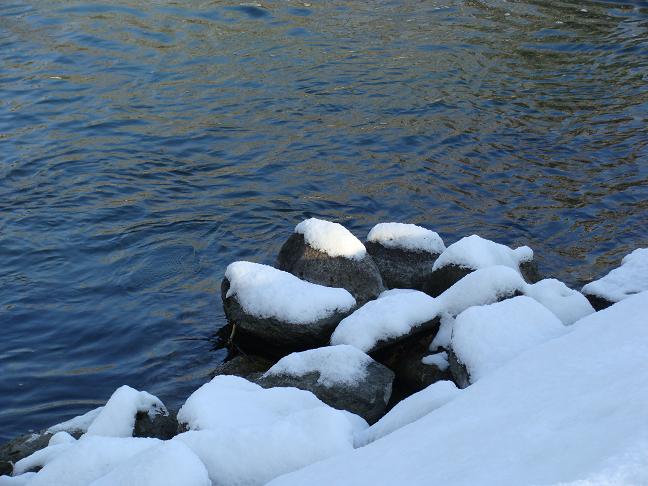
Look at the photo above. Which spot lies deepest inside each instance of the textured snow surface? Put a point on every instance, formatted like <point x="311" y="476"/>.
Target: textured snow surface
<point x="476" y="252"/>
<point x="567" y="304"/>
<point x="440" y="360"/>
<point x="409" y="410"/>
<point x="264" y="291"/>
<point x="406" y="237"/>
<point x="331" y="238"/>
<point x="569" y="411"/>
<point x="79" y="423"/>
<point x="341" y="364"/>
<point x="117" y="417"/>
<point x="391" y="316"/>
<point x="484" y="338"/>
<point x="629" y="279"/>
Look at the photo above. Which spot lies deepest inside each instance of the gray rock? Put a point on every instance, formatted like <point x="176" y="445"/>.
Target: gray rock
<point x="390" y="346"/>
<point x="360" y="277"/>
<point x="460" y="374"/>
<point x="401" y="268"/>
<point x="273" y="337"/>
<point x="161" y="426"/>
<point x="246" y="366"/>
<point x="598" y="302"/>
<point x="367" y="398"/>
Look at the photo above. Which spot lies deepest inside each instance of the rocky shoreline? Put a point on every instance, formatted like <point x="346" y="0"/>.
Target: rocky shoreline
<point x="366" y="328"/>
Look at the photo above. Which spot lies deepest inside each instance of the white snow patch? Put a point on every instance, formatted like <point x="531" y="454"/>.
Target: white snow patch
<point x="409" y="410"/>
<point x="117" y="418"/>
<point x="440" y="360"/>
<point x="22" y="480"/>
<point x="388" y="317"/>
<point x="568" y="304"/>
<point x="171" y="463"/>
<point x="61" y="438"/>
<point x="629" y="279"/>
<point x="443" y="336"/>
<point x="484" y="338"/>
<point x="79" y="423"/>
<point x="341" y="364"/>
<point x="571" y="410"/>
<point x="406" y="237"/>
<point x="476" y="252"/>
<point x="331" y="238"/>
<point x="265" y="292"/>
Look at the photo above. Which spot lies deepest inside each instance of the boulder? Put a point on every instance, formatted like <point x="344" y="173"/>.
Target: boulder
<point x="160" y="426"/>
<point x="246" y="366"/>
<point x="401" y="268"/>
<point x="598" y="302"/>
<point x="341" y="376"/>
<point x="360" y="276"/>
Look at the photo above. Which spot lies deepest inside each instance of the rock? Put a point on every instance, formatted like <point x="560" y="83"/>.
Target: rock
<point x="360" y="277"/>
<point x="163" y="427"/>
<point x="458" y="371"/>
<point x="341" y="376"/>
<point x="530" y="272"/>
<point x="274" y="337"/>
<point x="598" y="302"/>
<point x="401" y="268"/>
<point x="246" y="366"/>
<point x="436" y="282"/>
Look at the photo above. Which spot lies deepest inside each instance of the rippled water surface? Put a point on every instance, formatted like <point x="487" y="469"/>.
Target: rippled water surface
<point x="145" y="145"/>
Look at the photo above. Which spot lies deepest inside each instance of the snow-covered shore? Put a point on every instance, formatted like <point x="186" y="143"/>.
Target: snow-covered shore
<point x="479" y="374"/>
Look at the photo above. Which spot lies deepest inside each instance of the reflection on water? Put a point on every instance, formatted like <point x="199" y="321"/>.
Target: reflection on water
<point x="145" y="145"/>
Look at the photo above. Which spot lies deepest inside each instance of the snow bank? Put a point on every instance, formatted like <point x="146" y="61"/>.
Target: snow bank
<point x="571" y="410"/>
<point x="117" y="417"/>
<point x="264" y="291"/>
<point x="331" y="238"/>
<point x="629" y="279"/>
<point x="483" y="338"/>
<point x="476" y="252"/>
<point x="567" y="304"/>
<point x="409" y="410"/>
<point x="79" y="423"/>
<point x="407" y="237"/>
<point x="341" y="364"/>
<point x="391" y="316"/>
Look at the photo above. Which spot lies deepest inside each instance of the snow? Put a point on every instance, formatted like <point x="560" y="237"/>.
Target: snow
<point x="266" y="292"/>
<point x="629" y="279"/>
<point x="483" y="286"/>
<point x="483" y="338"/>
<point x="331" y="238"/>
<point x="388" y="317"/>
<point x="409" y="410"/>
<point x="117" y="418"/>
<point x="567" y="304"/>
<point x="406" y="237"/>
<point x="171" y="463"/>
<point x="77" y="424"/>
<point x="440" y="360"/>
<point x="475" y="252"/>
<point x="61" y="438"/>
<point x="341" y="364"/>
<point x="571" y="410"/>
<point x="444" y="334"/>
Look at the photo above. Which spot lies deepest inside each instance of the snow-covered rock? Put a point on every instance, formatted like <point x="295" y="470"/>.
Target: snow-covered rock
<point x="402" y="252"/>
<point x="622" y="282"/>
<point x="567" y="304"/>
<point x="409" y="410"/>
<point x="484" y="338"/>
<point x="387" y="320"/>
<point x="79" y="423"/>
<point x="571" y="410"/>
<point x="326" y="253"/>
<point x="342" y="376"/>
<point x="275" y="312"/>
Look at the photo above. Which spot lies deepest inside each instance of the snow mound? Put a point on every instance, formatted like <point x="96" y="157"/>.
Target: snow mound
<point x="409" y="410"/>
<point x="265" y="292"/>
<point x="117" y="417"/>
<point x="331" y="238"/>
<point x="567" y="304"/>
<point x="476" y="252"/>
<point x="76" y="424"/>
<point x="483" y="286"/>
<point x="407" y="237"/>
<point x="629" y="279"/>
<point x="484" y="338"/>
<point x="569" y="411"/>
<point x="61" y="438"/>
<point x="440" y="360"/>
<point x="171" y="463"/>
<point x="388" y="317"/>
<point x="341" y="364"/>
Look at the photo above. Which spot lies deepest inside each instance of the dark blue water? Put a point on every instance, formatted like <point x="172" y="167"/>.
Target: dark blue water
<point x="145" y="145"/>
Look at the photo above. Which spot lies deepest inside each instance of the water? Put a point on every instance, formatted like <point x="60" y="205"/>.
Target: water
<point x="145" y="145"/>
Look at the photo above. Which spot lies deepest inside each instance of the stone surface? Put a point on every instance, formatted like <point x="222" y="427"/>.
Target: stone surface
<point x="400" y="268"/>
<point x="162" y="427"/>
<point x="598" y="302"/>
<point x="246" y="366"/>
<point x="360" y="277"/>
<point x="459" y="372"/>
<point x="272" y="337"/>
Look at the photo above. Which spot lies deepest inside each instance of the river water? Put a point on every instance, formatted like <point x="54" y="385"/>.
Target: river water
<point x="146" y="144"/>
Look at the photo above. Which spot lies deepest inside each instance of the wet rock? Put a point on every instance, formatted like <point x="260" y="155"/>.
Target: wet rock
<point x="246" y="366"/>
<point x="161" y="426"/>
<point x="360" y="277"/>
<point x="598" y="302"/>
<point x="272" y="337"/>
<point x="401" y="268"/>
